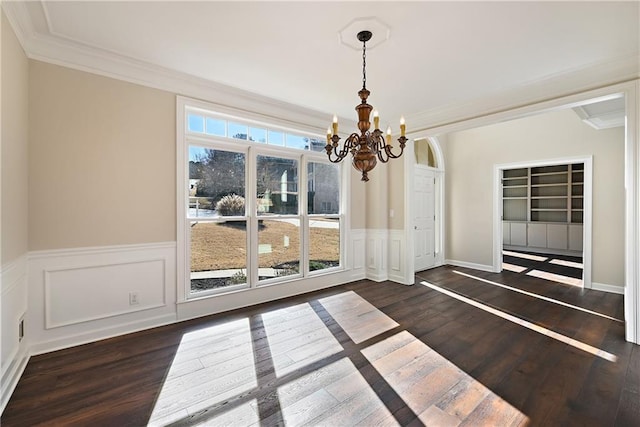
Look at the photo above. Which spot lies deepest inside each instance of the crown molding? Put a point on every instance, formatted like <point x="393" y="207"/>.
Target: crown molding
<point x="594" y="76"/>
<point x="42" y="44"/>
<point x="29" y="21"/>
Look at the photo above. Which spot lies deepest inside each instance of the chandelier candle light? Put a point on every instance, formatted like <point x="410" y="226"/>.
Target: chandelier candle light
<point x="366" y="146"/>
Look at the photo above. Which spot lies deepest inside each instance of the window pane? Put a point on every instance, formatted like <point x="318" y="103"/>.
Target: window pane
<point x="317" y="144"/>
<point x="278" y="248"/>
<point x="324" y="245"/>
<point x="257" y="134"/>
<point x="195" y="123"/>
<point x="218" y="255"/>
<point x="297" y="141"/>
<point x="215" y="127"/>
<point x="277" y="186"/>
<point x="324" y="188"/>
<point x="237" y="131"/>
<point x="216" y="183"/>
<point x="276" y="138"/>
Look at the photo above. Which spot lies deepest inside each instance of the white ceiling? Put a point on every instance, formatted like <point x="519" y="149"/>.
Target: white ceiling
<point x="442" y="61"/>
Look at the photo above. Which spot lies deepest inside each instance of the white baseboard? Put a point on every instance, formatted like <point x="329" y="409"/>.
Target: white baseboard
<point x="481" y="267"/>
<point x="13" y="299"/>
<point x="12" y="375"/>
<point x="607" y="288"/>
<point x="101" y="334"/>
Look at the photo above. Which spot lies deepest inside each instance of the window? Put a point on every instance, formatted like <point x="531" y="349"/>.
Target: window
<point x="262" y="205"/>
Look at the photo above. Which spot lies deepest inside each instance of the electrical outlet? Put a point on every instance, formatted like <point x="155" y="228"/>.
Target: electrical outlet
<point x="133" y="298"/>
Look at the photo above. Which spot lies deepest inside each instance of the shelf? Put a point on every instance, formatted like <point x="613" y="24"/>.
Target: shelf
<point x="548" y="197"/>
<point x="550" y="173"/>
<point x="545" y="194"/>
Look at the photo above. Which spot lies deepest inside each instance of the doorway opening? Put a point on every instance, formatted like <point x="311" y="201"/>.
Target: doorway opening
<point x="427" y="204"/>
<point x="546" y="211"/>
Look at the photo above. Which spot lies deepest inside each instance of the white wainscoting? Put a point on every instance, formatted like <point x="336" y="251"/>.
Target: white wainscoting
<point x="377" y="255"/>
<point x="82" y="295"/>
<point x="14" y="307"/>
<point x="398" y="265"/>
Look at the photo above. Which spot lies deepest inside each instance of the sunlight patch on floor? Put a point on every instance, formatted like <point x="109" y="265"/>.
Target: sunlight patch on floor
<point x="542" y="297"/>
<point x="213" y="379"/>
<point x="532" y="326"/>
<point x="211" y="365"/>
<point x="559" y="278"/>
<point x="331" y="396"/>
<point x="525" y="256"/>
<point x="566" y="263"/>
<point x="514" y="268"/>
<point x="356" y="316"/>
<point x="434" y="388"/>
<point x="285" y="329"/>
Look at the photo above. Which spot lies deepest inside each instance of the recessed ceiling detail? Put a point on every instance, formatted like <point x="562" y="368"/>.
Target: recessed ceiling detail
<point x="348" y="35"/>
<point x="603" y="115"/>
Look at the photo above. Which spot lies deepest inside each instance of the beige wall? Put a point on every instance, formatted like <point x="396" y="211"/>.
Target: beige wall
<point x="377" y="189"/>
<point x="470" y="157"/>
<point x="15" y="89"/>
<point x="101" y="161"/>
<point x="396" y="191"/>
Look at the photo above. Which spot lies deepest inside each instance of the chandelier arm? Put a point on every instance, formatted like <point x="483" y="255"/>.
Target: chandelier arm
<point x="402" y="140"/>
<point x="350" y="146"/>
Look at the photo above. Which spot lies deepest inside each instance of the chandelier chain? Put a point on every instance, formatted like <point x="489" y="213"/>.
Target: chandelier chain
<point x="364" y="65"/>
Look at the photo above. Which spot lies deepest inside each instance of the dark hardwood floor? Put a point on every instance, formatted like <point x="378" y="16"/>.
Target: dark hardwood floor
<point x="457" y="350"/>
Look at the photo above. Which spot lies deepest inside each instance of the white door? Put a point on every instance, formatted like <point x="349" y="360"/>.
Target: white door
<point x="424" y="218"/>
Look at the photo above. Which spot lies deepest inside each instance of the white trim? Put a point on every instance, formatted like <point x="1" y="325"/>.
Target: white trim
<point x="11" y="376"/>
<point x="631" y="91"/>
<point x="398" y="255"/>
<point x="44" y="44"/>
<point x="632" y="212"/>
<point x="50" y="324"/>
<point x="147" y="268"/>
<point x="474" y="113"/>
<point x="607" y="288"/>
<point x="377" y="255"/>
<point x="11" y="273"/>
<point x="101" y="334"/>
<point x="440" y="196"/>
<point x="588" y="209"/>
<point x="481" y="267"/>
<point x="101" y="250"/>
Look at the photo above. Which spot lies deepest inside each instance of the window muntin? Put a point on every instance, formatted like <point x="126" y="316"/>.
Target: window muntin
<point x="199" y="123"/>
<point x="235" y="155"/>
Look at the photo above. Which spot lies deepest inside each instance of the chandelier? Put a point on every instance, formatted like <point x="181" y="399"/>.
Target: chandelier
<point x="366" y="146"/>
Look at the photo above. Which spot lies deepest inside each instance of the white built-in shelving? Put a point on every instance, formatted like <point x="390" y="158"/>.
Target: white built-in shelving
<point x="543" y="207"/>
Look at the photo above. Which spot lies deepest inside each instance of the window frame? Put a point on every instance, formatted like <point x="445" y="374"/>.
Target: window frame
<point x="251" y="150"/>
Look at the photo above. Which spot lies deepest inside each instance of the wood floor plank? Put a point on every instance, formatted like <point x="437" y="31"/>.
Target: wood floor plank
<point x="363" y="353"/>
